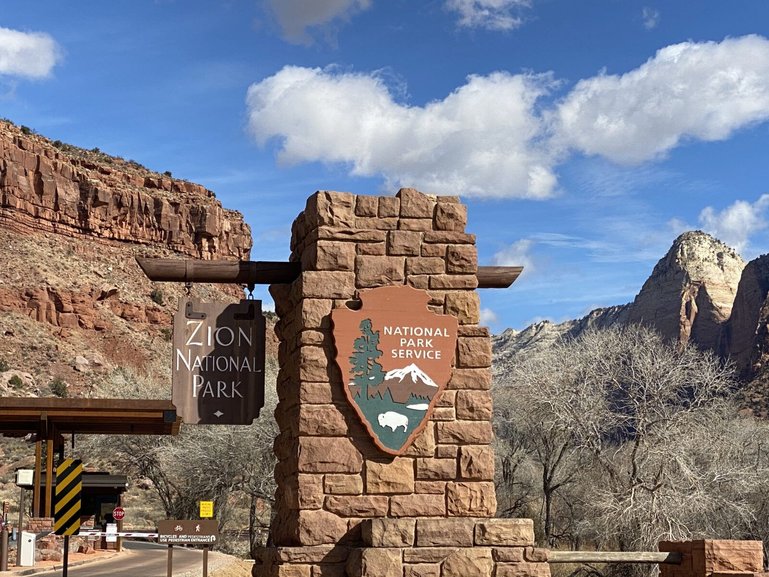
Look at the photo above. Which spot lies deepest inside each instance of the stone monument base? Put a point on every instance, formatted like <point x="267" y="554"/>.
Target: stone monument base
<point x="425" y="547"/>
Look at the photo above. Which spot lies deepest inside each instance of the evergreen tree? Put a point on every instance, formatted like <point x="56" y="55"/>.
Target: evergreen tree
<point x="366" y="370"/>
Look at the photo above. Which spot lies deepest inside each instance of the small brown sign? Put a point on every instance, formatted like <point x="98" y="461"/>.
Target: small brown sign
<point x="218" y="362"/>
<point x="188" y="532"/>
<point x="395" y="356"/>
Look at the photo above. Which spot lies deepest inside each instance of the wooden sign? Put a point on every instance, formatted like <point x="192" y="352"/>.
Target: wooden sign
<point x="188" y="532"/>
<point x="218" y="362"/>
<point x="395" y="356"/>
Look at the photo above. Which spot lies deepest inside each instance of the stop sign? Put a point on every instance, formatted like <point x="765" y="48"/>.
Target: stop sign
<point x="118" y="513"/>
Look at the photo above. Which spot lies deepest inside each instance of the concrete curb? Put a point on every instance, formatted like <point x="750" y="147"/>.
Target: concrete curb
<point x="51" y="568"/>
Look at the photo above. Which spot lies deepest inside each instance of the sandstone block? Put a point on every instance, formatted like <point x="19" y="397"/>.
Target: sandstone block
<point x="321" y="420"/>
<point x="414" y="204"/>
<point x="315" y="393"/>
<point x="446" y="398"/>
<point x="329" y="255"/>
<point x="418" y="281"/>
<point x="328" y="455"/>
<point x="446" y="452"/>
<point x="473" y="352"/>
<point x="443" y="414"/>
<point x="329" y="570"/>
<point x="535" y="554"/>
<point x="465" y="305"/>
<point x="507" y="532"/>
<point x="424" y="505"/>
<point x="312" y="554"/>
<point x="292" y="571"/>
<point x="476" y="462"/>
<point x="453" y="281"/>
<point x="450" y="217"/>
<point x="327" y="284"/>
<point x="436" y="469"/>
<point x="508" y="554"/>
<point x="338" y="484"/>
<point x="403" y="243"/>
<point x="448" y="237"/>
<point x="474" y="405"/>
<point x="385" y="562"/>
<point x="347" y="235"/>
<point x="444" y="532"/>
<point x="374" y="271"/>
<point x="389" y="206"/>
<point x="462" y="259"/>
<point x="313" y="364"/>
<point x="330" y="208"/>
<point x="435" y="250"/>
<point x="366" y="205"/>
<point x="396" y="476"/>
<point x="320" y="527"/>
<point x="357" y="505"/>
<point x="388" y="532"/>
<point x="309" y="490"/>
<point x="522" y="570"/>
<point x="371" y="248"/>
<point x="464" y="433"/>
<point x="471" y="499"/>
<point x="315" y="314"/>
<point x="430" y="487"/>
<point x="419" y="265"/>
<point x="365" y="222"/>
<point x="422" y="570"/>
<point x="463" y="562"/>
<point x="424" y="444"/>
<point x="426" y="554"/>
<point x="416" y="224"/>
<point x="463" y="378"/>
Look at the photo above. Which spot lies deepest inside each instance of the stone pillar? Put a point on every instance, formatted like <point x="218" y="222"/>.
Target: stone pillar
<point x="714" y="558"/>
<point x="331" y="477"/>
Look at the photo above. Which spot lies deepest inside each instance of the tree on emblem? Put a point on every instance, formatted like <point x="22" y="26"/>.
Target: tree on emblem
<point x="365" y="368"/>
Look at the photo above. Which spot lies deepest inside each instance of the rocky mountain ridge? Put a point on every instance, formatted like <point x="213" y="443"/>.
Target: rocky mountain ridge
<point x="74" y="305"/>
<point x="688" y="298"/>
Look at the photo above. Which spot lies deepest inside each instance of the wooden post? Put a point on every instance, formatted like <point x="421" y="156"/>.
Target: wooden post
<point x="49" y="449"/>
<point x="170" y="570"/>
<point x="18" y="529"/>
<point x="205" y="560"/>
<point x="37" y="478"/>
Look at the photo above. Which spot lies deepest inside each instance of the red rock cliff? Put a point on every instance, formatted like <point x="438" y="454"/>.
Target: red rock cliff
<point x="62" y="189"/>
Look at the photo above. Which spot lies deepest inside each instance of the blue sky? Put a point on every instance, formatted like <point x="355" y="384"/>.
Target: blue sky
<point x="583" y="136"/>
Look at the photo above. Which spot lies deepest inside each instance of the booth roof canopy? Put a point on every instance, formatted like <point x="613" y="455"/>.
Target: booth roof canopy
<point x="55" y="416"/>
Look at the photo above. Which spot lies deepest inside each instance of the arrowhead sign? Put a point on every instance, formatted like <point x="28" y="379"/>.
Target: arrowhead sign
<point x="395" y="356"/>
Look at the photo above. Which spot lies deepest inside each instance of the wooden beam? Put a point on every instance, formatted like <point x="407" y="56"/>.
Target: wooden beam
<point x="671" y="558"/>
<point x="219" y="271"/>
<point x="264" y="272"/>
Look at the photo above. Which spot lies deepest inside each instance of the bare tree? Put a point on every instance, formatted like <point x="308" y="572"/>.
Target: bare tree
<point x="637" y="437"/>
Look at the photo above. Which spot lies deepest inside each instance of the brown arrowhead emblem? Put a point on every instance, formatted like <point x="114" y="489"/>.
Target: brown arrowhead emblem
<point x="395" y="356"/>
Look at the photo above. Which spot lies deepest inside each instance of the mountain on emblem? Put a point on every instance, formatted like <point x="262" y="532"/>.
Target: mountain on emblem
<point x="395" y="357"/>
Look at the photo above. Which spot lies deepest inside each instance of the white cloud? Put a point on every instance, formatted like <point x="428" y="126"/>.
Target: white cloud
<point x="735" y="224"/>
<point x="27" y="54"/>
<point x="296" y="16"/>
<point x="651" y="17"/>
<point x="702" y="91"/>
<point x="489" y="14"/>
<point x="483" y="139"/>
<point x="488" y="317"/>
<point x="517" y="254"/>
<point x="496" y="136"/>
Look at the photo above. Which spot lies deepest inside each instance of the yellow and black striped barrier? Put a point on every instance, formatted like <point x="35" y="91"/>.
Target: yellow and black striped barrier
<point x="69" y="486"/>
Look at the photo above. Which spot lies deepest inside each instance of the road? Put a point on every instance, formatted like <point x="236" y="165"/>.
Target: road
<point x="141" y="559"/>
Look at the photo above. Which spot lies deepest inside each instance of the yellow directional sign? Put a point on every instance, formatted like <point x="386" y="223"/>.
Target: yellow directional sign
<point x="69" y="485"/>
<point x="206" y="509"/>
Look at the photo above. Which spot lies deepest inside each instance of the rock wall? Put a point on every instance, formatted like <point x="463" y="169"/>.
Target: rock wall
<point x="75" y="192"/>
<point x="746" y="340"/>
